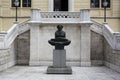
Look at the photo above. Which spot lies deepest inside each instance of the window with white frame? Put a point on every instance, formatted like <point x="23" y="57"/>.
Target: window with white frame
<point x="99" y="3"/>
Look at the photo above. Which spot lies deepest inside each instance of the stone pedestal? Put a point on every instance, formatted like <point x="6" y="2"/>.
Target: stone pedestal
<point x="59" y="58"/>
<point x="59" y="63"/>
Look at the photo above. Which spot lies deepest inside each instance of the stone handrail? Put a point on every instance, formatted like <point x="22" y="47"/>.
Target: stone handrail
<point x="23" y="27"/>
<point x="6" y="39"/>
<point x="2" y="40"/>
<point x="60" y="16"/>
<point x="97" y="27"/>
<point x="113" y="38"/>
<point x="11" y="35"/>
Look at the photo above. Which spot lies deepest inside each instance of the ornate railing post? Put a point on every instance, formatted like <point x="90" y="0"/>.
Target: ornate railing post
<point x="84" y="15"/>
<point x="35" y="15"/>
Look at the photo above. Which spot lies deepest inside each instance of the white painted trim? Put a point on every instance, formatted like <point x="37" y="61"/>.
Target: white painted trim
<point x="71" y="5"/>
<point x="51" y="5"/>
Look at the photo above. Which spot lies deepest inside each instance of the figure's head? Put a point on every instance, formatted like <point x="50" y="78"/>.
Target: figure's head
<point x="59" y="27"/>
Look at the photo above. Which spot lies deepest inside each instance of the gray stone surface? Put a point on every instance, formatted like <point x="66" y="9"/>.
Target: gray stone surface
<point x="111" y="55"/>
<point x="39" y="73"/>
<point x="85" y="40"/>
<point x="59" y="70"/>
<point x="7" y="57"/>
<point x="23" y="48"/>
<point x="97" y="48"/>
<point x="59" y="58"/>
<point x="59" y="63"/>
<point x="39" y="53"/>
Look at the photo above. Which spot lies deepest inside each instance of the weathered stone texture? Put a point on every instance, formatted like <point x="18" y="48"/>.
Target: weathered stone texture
<point x="23" y="48"/>
<point x="7" y="57"/>
<point x="96" y="48"/>
<point x="111" y="55"/>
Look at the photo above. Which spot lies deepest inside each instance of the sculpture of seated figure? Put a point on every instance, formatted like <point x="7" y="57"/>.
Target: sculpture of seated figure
<point x="60" y="41"/>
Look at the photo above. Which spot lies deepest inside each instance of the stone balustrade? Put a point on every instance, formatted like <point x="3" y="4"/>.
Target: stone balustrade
<point x="60" y="16"/>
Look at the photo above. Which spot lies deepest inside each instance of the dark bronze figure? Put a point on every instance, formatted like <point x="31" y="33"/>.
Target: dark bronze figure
<point x="60" y="39"/>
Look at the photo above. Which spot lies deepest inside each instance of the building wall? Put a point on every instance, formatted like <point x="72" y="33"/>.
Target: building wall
<point x="81" y="4"/>
<point x="6" y="11"/>
<point x="41" y="52"/>
<point x="116" y="8"/>
<point x="0" y="7"/>
<point x="97" y="48"/>
<point x="101" y="52"/>
<point x="7" y="57"/>
<point x="111" y="57"/>
<point x="113" y="23"/>
<point x="8" y="22"/>
<point x="40" y="4"/>
<point x="23" y="48"/>
<point x="112" y="13"/>
<point x="1" y="24"/>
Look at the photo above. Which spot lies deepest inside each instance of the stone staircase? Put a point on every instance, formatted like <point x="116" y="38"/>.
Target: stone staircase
<point x="8" y="41"/>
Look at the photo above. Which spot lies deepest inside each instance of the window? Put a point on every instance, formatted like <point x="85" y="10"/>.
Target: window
<point x="13" y="5"/>
<point x="26" y="3"/>
<point x="60" y="5"/>
<point x="99" y="3"/>
<point x="108" y="6"/>
<point x="95" y="4"/>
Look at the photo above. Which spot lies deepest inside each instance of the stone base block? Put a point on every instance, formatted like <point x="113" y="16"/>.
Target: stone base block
<point x="56" y="70"/>
<point x="59" y="58"/>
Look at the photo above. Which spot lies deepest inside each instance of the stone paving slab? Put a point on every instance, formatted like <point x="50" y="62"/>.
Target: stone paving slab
<point x="39" y="73"/>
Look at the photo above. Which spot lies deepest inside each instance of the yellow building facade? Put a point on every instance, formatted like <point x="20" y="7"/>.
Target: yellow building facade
<point x="8" y="12"/>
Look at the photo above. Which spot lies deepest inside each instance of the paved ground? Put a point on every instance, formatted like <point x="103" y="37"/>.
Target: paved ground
<point x="39" y="73"/>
